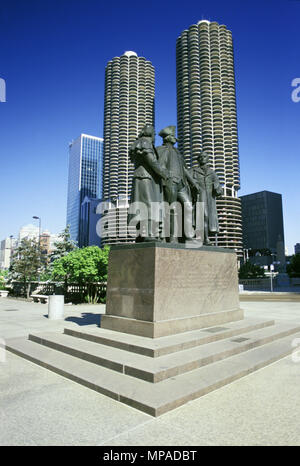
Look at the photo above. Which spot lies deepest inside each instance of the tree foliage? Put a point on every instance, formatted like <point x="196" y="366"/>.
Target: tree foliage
<point x="27" y="262"/>
<point x="64" y="246"/>
<point x="3" y="276"/>
<point x="293" y="268"/>
<point x="86" y="266"/>
<point x="249" y="270"/>
<point x="261" y="251"/>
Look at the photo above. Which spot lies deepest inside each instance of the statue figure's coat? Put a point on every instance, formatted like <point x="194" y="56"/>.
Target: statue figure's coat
<point x="147" y="186"/>
<point x="209" y="188"/>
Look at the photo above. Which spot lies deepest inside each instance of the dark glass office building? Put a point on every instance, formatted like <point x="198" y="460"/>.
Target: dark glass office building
<point x="262" y="221"/>
<point x="85" y="177"/>
<point x="89" y="217"/>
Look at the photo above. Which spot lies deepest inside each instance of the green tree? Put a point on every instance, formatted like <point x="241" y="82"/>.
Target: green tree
<point x="249" y="270"/>
<point x="86" y="266"/>
<point x="293" y="268"/>
<point x="262" y="252"/>
<point x="27" y="262"/>
<point x="3" y="276"/>
<point x="64" y="246"/>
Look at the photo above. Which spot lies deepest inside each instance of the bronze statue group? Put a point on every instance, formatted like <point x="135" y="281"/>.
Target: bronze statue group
<point x="170" y="202"/>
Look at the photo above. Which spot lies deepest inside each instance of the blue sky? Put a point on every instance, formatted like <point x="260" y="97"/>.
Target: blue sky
<point x="53" y="56"/>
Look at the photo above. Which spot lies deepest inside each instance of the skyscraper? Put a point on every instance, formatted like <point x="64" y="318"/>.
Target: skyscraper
<point x="85" y="177"/>
<point x="128" y="106"/>
<point x="206" y="115"/>
<point x="88" y="235"/>
<point x="6" y="251"/>
<point x="262" y="221"/>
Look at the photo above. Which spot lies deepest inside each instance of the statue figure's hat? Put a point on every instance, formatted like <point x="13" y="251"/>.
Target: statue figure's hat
<point x="147" y="130"/>
<point x="168" y="131"/>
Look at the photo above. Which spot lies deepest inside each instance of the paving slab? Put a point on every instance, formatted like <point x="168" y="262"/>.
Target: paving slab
<point x="39" y="407"/>
<point x="19" y="317"/>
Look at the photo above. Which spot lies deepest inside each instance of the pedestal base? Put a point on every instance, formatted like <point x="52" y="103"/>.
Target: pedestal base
<point x="168" y="327"/>
<point x="158" y="289"/>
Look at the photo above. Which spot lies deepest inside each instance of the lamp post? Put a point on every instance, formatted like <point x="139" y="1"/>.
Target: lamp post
<point x="11" y="249"/>
<point x="271" y="276"/>
<point x="40" y="223"/>
<point x="246" y="254"/>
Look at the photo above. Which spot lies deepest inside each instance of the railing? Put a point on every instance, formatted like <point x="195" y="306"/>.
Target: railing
<point x="291" y="284"/>
<point x="257" y="283"/>
<point x="295" y="281"/>
<point x="74" y="292"/>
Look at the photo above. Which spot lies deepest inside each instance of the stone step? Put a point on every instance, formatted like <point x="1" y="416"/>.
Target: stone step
<point x="155" y="347"/>
<point x="154" y="399"/>
<point x="157" y="369"/>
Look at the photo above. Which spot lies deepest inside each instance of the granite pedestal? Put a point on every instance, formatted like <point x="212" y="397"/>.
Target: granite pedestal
<point x="159" y="289"/>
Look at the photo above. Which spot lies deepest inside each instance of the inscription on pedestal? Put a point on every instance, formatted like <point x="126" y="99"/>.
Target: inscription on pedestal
<point x="160" y="283"/>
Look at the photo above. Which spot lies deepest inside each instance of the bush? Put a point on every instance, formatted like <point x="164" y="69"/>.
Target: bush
<point x="3" y="275"/>
<point x="293" y="268"/>
<point x="249" y="270"/>
<point x="86" y="266"/>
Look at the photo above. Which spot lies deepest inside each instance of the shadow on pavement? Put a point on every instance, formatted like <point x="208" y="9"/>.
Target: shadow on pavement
<point x="87" y="318"/>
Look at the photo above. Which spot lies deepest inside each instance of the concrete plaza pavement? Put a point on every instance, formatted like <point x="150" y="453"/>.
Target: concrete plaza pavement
<point x="39" y="407"/>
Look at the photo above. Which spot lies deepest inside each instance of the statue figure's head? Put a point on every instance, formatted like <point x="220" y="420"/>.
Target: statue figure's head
<point x="168" y="134"/>
<point x="148" y="131"/>
<point x="203" y="158"/>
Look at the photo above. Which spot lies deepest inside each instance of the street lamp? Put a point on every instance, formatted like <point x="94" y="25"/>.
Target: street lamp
<point x="271" y="276"/>
<point x="246" y="254"/>
<point x="40" y="223"/>
<point x="11" y="249"/>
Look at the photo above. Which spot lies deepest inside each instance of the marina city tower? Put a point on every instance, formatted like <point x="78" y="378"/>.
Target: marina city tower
<point x="206" y="116"/>
<point x="128" y="106"/>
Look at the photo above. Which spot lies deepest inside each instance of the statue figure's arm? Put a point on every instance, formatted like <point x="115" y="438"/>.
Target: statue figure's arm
<point x="150" y="157"/>
<point x="190" y="178"/>
<point x="217" y="188"/>
<point x="189" y="175"/>
<point x="134" y="150"/>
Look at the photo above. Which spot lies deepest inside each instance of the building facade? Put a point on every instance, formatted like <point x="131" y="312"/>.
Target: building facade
<point x="128" y="106"/>
<point x="263" y="222"/>
<point x="45" y="242"/>
<point x="207" y="118"/>
<point x="89" y="217"/>
<point x="29" y="232"/>
<point x="297" y="248"/>
<point x="85" y="177"/>
<point x="7" y="247"/>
